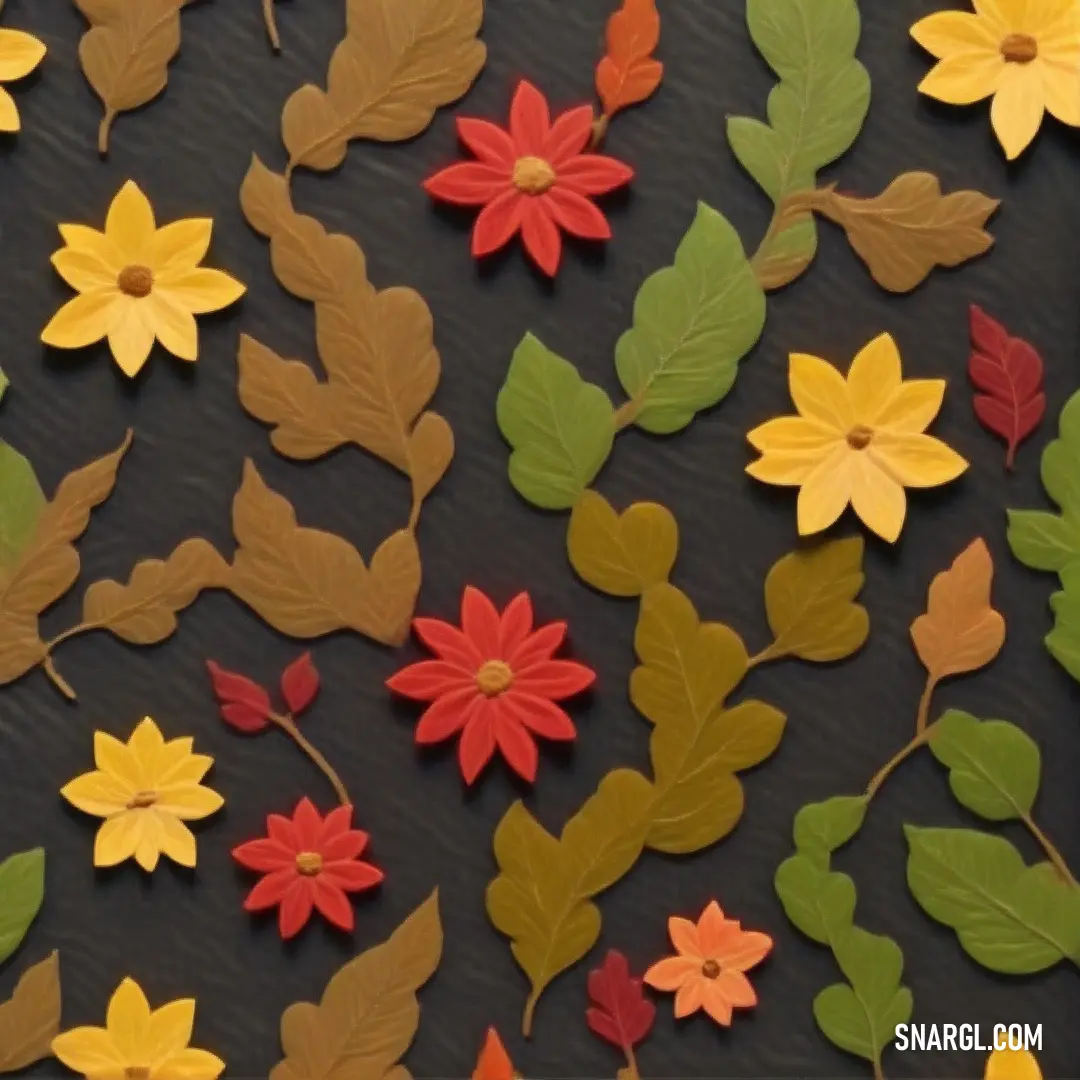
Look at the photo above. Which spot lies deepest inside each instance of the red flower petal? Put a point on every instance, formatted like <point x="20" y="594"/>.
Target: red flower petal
<point x="480" y="622"/>
<point x="331" y="900"/>
<point x="337" y="823"/>
<point x="575" y="214"/>
<point x="477" y="742"/>
<point x="516" y="744"/>
<point x="308" y="822"/>
<point x="538" y="646"/>
<point x="299" y="684"/>
<point x="594" y="174"/>
<point x="447" y="716"/>
<point x="282" y="829"/>
<point x="353" y="876"/>
<point x="295" y="909"/>
<point x="541" y="238"/>
<point x="530" y="120"/>
<point x="448" y="642"/>
<point x="568" y="135"/>
<point x="468" y="183"/>
<point x="244" y="718"/>
<point x="540" y="716"/>
<point x="488" y="142"/>
<point x="515" y="625"/>
<point x="554" y="679"/>
<point x="346" y="846"/>
<point x="430" y="679"/>
<point x="264" y="855"/>
<point x="497" y="223"/>
<point x="250" y="702"/>
<point x="269" y="890"/>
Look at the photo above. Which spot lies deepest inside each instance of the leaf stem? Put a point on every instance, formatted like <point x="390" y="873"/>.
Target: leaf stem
<point x="1010" y="458"/>
<point x="769" y="653"/>
<point x="527" y="1016"/>
<point x="626" y="413"/>
<point x="923" y="733"/>
<point x="57" y="679"/>
<point x="878" y="1073"/>
<point x="631" y="1063"/>
<point x="1052" y="852"/>
<point x="288" y="725"/>
<point x="74" y="631"/>
<point x="271" y="24"/>
<point x="414" y="514"/>
<point x="599" y="130"/>
<point x="923" y="713"/>
<point x="103" y="132"/>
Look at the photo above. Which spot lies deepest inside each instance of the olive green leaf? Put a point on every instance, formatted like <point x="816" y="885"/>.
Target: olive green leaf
<point x="1063" y="642"/>
<point x="5" y="382"/>
<point x="810" y="602"/>
<point x="993" y="766"/>
<point x="22" y="889"/>
<point x="1042" y="540"/>
<point x="561" y="427"/>
<point x="820" y="828"/>
<point x="21" y="504"/>
<point x="693" y="323"/>
<point x="818" y="901"/>
<point x="1009" y="917"/>
<point x="815" y="114"/>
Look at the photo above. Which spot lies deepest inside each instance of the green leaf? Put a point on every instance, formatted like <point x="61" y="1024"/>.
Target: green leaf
<point x="1063" y="642"/>
<point x="21" y="504"/>
<point x="561" y="427"/>
<point x="993" y="766"/>
<point x="693" y="323"/>
<point x="848" y="1022"/>
<point x="22" y="889"/>
<point x="821" y="828"/>
<point x="815" y="113"/>
<point x="1042" y="540"/>
<point x="1011" y="918"/>
<point x="5" y="382"/>
<point x="818" y="901"/>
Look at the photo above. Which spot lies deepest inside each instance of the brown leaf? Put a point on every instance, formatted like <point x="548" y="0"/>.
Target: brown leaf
<point x="21" y="647"/>
<point x="910" y="228"/>
<point x="307" y="583"/>
<point x="30" y="1019"/>
<point x="960" y="631"/>
<point x="144" y="611"/>
<point x="400" y="60"/>
<point x="126" y="53"/>
<point x="431" y="449"/>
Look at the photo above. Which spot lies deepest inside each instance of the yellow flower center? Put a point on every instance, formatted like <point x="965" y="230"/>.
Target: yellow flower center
<point x="309" y="863"/>
<point x="710" y="969"/>
<point x="142" y="799"/>
<point x="137" y="1072"/>
<point x="533" y="175"/>
<point x="494" y="677"/>
<point x="859" y="437"/>
<point x="1020" y="48"/>
<point x="136" y="281"/>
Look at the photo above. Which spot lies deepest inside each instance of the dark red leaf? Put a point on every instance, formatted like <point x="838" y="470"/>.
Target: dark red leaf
<point x="244" y="703"/>
<point x="299" y="684"/>
<point x="619" y="1012"/>
<point x="1009" y="372"/>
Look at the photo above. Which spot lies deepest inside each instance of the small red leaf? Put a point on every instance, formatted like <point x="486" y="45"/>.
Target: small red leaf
<point x="620" y="1013"/>
<point x="628" y="73"/>
<point x="494" y="1062"/>
<point x="299" y="684"/>
<point x="245" y="705"/>
<point x="1009" y="372"/>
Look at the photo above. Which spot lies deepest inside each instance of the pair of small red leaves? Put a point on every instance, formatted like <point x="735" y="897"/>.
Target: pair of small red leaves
<point x="619" y="1012"/>
<point x="246" y="706"/>
<point x="628" y="73"/>
<point x="1009" y="372"/>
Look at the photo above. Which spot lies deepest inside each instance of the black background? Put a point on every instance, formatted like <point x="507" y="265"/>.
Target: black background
<point x="184" y="934"/>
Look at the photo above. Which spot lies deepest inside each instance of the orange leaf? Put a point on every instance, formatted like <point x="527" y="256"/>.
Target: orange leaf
<point x="960" y="631"/>
<point x="628" y="74"/>
<point x="494" y="1062"/>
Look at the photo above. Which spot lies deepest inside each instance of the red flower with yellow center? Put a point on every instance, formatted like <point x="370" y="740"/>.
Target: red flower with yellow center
<point x="495" y="682"/>
<point x="533" y="179"/>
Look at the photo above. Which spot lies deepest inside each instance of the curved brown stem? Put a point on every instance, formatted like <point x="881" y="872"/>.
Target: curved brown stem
<point x="631" y="1065"/>
<point x="57" y="679"/>
<point x="769" y="653"/>
<point x="923" y="733"/>
<point x="599" y="130"/>
<point x="1052" y="853"/>
<point x="103" y="131"/>
<point x="527" y="1016"/>
<point x="878" y="1072"/>
<point x="626" y="413"/>
<point x="288" y="725"/>
<point x="271" y="24"/>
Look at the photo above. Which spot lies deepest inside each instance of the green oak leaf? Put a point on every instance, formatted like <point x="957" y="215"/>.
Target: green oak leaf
<point x="818" y="901"/>
<point x="1042" y="540"/>
<point x="821" y="828"/>
<point x="21" y="504"/>
<point x="561" y="427"/>
<point x="22" y="889"/>
<point x="693" y="323"/>
<point x="993" y="766"/>
<point x="1009" y="917"/>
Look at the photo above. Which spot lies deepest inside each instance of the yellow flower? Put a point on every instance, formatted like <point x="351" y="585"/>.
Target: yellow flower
<point x="145" y="790"/>
<point x="19" y="54"/>
<point x="1012" y="1065"/>
<point x="1023" y="53"/>
<point x="137" y="1044"/>
<point x="859" y="441"/>
<point x="137" y="282"/>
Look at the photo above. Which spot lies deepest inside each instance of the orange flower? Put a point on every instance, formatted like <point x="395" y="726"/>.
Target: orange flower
<point x="709" y="971"/>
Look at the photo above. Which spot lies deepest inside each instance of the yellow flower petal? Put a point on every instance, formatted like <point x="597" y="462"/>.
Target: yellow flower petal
<point x="117" y="838"/>
<point x="826" y="492"/>
<point x="913" y="406"/>
<point x="146" y="745"/>
<point x="819" y="392"/>
<point x="173" y="325"/>
<point x="113" y="757"/>
<point x="181" y="245"/>
<point x="83" y="238"/>
<point x="792" y="434"/>
<point x="88" y="1050"/>
<point x="81" y="321"/>
<point x="174" y="757"/>
<point x="1061" y="89"/>
<point x="784" y="469"/>
<point x="1018" y="108"/>
<point x="130" y="224"/>
<point x="131" y="337"/>
<point x="128" y="1021"/>
<point x="188" y="802"/>
<point x="877" y="498"/>
<point x="202" y="289"/>
<point x="149" y="840"/>
<point x="964" y="78"/>
<point x="170" y="1029"/>
<point x="173" y="838"/>
<point x="97" y="793"/>
<point x="83" y="270"/>
<point x="917" y="461"/>
<point x="874" y="378"/>
<point x="20" y="53"/>
<point x="9" y="112"/>
<point x="946" y="33"/>
<point x="1012" y="1065"/>
<point x="191" y="1065"/>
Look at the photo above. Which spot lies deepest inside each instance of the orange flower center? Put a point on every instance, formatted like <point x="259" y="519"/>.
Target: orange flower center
<point x="859" y="437"/>
<point x="137" y="1072"/>
<point x="136" y="281"/>
<point x="533" y="175"/>
<point x="494" y="677"/>
<point x="710" y="969"/>
<point x="142" y="799"/>
<point x="1020" y="48"/>
<point x="309" y="863"/>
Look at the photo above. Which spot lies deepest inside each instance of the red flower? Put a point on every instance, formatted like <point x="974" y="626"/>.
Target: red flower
<point x="534" y="179"/>
<point x="308" y="861"/>
<point x="494" y="681"/>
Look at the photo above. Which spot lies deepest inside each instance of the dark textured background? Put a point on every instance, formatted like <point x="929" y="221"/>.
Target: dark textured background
<point x="185" y="934"/>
